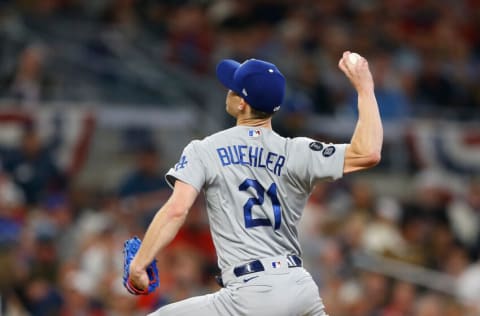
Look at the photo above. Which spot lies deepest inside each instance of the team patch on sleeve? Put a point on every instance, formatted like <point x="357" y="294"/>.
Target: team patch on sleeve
<point x="315" y="146"/>
<point x="182" y="163"/>
<point x="328" y="151"/>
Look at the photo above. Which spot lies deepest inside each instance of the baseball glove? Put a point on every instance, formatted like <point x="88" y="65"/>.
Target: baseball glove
<point x="130" y="248"/>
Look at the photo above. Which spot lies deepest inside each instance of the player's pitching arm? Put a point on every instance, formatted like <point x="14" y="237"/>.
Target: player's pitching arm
<point x="161" y="231"/>
<point x="364" y="150"/>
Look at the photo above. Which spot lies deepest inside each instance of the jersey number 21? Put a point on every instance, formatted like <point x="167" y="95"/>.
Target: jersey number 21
<point x="247" y="208"/>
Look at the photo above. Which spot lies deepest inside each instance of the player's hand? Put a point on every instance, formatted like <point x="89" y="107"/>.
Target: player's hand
<point x="139" y="278"/>
<point x="358" y="73"/>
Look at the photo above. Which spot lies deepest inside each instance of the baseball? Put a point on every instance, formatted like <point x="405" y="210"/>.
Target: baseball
<point x="353" y="58"/>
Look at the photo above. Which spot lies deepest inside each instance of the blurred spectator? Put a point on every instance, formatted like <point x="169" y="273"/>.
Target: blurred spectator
<point x="375" y="287"/>
<point x="45" y="260"/>
<point x="456" y="263"/>
<point x="190" y="39"/>
<point x="121" y="303"/>
<point x="402" y="301"/>
<point x="186" y="272"/>
<point x="464" y="214"/>
<point x="31" y="84"/>
<point x="144" y="189"/>
<point x="307" y="95"/>
<point x="35" y="286"/>
<point x="382" y="234"/>
<point x="309" y="82"/>
<point x="78" y="296"/>
<point x="11" y="210"/>
<point x="122" y="16"/>
<point x="468" y="286"/>
<point x="433" y="88"/>
<point x="60" y="214"/>
<point x="332" y="261"/>
<point x="431" y="195"/>
<point x="33" y="167"/>
<point x="314" y="215"/>
<point x="352" y="299"/>
<point x="146" y="176"/>
<point x="429" y="305"/>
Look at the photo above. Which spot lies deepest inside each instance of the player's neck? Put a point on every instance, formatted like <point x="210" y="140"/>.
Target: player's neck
<point x="242" y="121"/>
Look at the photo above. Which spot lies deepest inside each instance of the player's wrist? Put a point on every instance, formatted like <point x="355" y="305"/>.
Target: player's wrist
<point x="366" y="91"/>
<point x="135" y="269"/>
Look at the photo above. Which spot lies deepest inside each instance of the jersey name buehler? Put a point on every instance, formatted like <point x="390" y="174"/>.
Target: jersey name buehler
<point x="252" y="156"/>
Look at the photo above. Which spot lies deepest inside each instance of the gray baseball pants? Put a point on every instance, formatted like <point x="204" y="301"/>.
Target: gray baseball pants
<point x="277" y="291"/>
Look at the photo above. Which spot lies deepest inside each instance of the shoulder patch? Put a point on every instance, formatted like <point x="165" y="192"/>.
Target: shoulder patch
<point x="182" y="163"/>
<point x="328" y="151"/>
<point x="315" y="146"/>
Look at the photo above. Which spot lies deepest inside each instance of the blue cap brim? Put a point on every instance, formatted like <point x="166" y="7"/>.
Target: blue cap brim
<point x="225" y="73"/>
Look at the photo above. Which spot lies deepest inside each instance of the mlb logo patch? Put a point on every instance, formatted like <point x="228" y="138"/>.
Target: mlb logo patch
<point x="276" y="264"/>
<point x="254" y="133"/>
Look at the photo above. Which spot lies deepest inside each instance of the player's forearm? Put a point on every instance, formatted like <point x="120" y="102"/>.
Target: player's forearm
<point x="163" y="228"/>
<point x="367" y="138"/>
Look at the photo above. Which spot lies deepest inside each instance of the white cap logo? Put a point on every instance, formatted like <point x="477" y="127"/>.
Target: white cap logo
<point x="244" y="92"/>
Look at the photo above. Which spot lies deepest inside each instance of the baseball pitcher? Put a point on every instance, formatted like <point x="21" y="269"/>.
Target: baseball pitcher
<point x="256" y="184"/>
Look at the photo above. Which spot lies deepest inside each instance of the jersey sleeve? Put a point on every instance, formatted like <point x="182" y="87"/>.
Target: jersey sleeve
<point x="311" y="161"/>
<point x="189" y="169"/>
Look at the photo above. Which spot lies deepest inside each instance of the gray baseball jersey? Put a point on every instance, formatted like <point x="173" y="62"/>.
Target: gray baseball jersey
<point x="256" y="185"/>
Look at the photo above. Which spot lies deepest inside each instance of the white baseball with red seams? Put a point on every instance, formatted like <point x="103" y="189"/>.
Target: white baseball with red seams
<point x="354" y="58"/>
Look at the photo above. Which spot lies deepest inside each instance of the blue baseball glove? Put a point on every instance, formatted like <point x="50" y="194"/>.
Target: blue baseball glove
<point x="130" y="248"/>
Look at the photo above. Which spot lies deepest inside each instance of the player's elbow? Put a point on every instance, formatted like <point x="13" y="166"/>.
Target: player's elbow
<point x="176" y="211"/>
<point x="356" y="160"/>
<point x="373" y="159"/>
<point x="368" y="159"/>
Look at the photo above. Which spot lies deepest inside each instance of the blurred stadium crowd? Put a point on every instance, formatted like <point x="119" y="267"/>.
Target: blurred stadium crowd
<point x="61" y="243"/>
<point x="425" y="54"/>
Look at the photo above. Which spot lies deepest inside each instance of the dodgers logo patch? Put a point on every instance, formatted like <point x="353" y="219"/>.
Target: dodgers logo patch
<point x="315" y="146"/>
<point x="182" y="163"/>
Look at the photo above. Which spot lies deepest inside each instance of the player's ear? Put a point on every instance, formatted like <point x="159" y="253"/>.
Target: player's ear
<point x="242" y="104"/>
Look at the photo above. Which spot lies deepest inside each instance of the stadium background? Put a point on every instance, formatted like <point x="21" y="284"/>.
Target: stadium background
<point x="99" y="97"/>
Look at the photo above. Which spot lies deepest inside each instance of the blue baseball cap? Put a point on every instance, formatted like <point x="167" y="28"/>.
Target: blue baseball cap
<point x="260" y="83"/>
